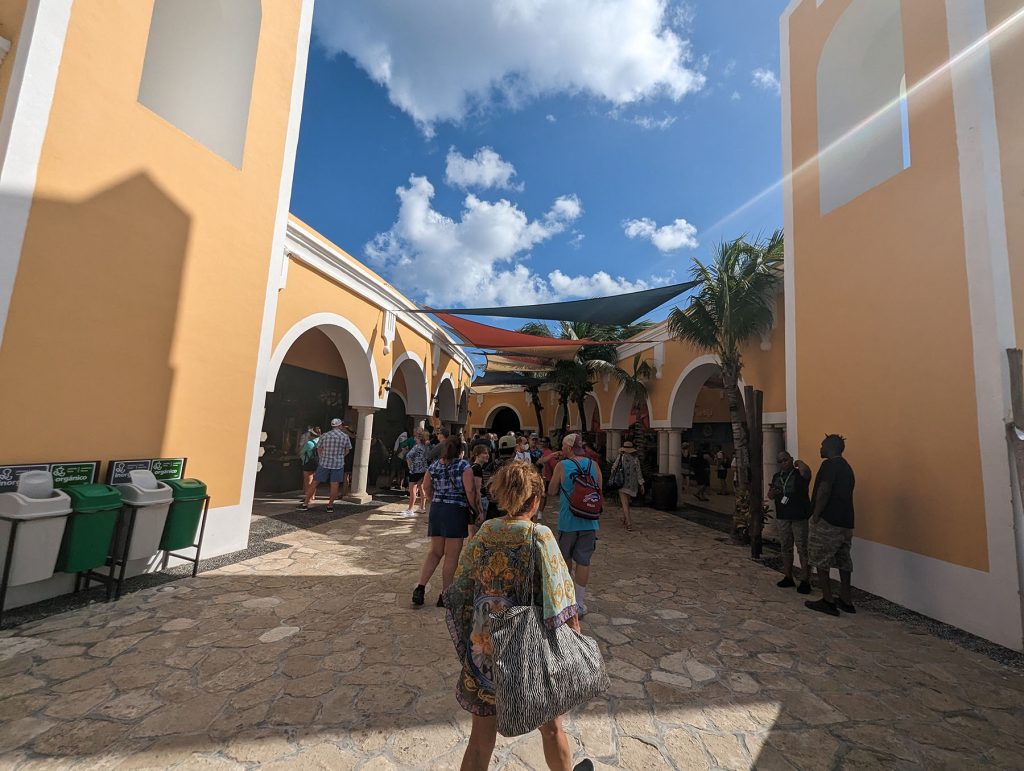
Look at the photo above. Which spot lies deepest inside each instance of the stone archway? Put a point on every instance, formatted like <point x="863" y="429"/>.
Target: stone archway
<point x="445" y="402"/>
<point x="493" y="415"/>
<point x="364" y="392"/>
<point x="417" y="393"/>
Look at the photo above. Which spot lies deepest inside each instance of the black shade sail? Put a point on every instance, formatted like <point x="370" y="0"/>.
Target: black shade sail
<point x="621" y="309"/>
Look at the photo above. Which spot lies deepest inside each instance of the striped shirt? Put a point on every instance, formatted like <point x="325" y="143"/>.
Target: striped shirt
<point x="446" y="481"/>
<point x="332" y="448"/>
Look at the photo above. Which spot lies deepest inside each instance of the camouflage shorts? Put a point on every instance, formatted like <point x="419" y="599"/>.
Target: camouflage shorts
<point x="793" y="532"/>
<point x="830" y="545"/>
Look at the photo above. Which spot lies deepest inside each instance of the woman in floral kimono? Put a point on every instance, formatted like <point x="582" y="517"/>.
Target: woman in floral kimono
<point x="493" y="574"/>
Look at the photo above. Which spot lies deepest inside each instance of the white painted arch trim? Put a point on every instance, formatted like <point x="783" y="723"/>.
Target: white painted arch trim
<point x="353" y="348"/>
<point x="619" y="417"/>
<point x="417" y="399"/>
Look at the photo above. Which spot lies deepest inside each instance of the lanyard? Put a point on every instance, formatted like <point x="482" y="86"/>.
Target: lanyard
<point x="785" y="482"/>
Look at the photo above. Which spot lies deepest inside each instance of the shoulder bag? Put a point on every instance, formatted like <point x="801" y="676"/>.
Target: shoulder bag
<point x="540" y="673"/>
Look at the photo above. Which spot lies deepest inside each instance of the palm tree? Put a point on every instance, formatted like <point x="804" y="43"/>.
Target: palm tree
<point x="534" y="392"/>
<point x="734" y="303"/>
<point x="574" y="379"/>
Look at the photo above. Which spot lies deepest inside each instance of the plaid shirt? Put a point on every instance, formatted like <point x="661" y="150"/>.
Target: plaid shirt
<point x="332" y="448"/>
<point x="446" y="481"/>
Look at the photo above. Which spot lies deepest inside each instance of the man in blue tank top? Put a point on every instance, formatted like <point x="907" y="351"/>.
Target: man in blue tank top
<point x="577" y="536"/>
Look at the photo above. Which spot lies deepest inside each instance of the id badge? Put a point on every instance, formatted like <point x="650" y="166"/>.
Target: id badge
<point x="785" y="499"/>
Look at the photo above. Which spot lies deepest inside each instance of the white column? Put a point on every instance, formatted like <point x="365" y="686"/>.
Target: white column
<point x="773" y="445"/>
<point x="361" y="462"/>
<point x="675" y="452"/>
<point x="614" y="443"/>
<point x="663" y="451"/>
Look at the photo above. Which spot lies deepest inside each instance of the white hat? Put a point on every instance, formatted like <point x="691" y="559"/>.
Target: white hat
<point x="336" y="422"/>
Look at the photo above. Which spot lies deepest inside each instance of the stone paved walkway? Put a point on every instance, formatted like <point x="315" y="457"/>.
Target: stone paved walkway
<point x="311" y="657"/>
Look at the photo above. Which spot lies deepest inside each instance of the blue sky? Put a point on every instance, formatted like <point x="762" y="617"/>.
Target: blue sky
<point x="558" y="150"/>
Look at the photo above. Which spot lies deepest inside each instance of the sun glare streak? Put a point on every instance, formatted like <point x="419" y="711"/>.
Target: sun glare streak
<point x="938" y="72"/>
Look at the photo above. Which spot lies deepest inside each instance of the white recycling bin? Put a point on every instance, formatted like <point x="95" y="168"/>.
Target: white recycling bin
<point x="40" y="513"/>
<point x="153" y="499"/>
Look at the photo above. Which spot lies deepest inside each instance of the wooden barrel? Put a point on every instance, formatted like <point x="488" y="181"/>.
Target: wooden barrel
<point x="664" y="492"/>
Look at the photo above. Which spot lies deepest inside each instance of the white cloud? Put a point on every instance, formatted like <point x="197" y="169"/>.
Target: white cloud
<point x="485" y="169"/>
<point x="577" y="239"/>
<point x="601" y="284"/>
<point x="766" y="79"/>
<point x="620" y="51"/>
<point x="667" y="238"/>
<point x="479" y="258"/>
<point x="735" y="96"/>
<point x="683" y="17"/>
<point x="730" y="66"/>
<point x="648" y="123"/>
<point x="551" y="118"/>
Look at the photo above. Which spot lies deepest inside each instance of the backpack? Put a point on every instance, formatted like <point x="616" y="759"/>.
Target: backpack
<point x="308" y="451"/>
<point x="585" y="499"/>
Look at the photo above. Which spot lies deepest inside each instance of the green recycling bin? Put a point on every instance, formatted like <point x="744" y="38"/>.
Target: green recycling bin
<point x="183" y="518"/>
<point x="90" y="527"/>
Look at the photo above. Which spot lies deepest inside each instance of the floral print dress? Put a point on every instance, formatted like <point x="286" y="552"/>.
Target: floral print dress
<point x="493" y="574"/>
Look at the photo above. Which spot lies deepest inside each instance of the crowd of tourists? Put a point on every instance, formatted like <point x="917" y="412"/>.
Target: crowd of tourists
<point x="493" y="490"/>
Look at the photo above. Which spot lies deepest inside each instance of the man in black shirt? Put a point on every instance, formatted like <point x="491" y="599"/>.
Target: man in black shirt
<point x="832" y="526"/>
<point x="792" y="509"/>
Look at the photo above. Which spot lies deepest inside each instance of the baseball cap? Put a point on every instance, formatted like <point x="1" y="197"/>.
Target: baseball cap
<point x="335" y="422"/>
<point x="507" y="441"/>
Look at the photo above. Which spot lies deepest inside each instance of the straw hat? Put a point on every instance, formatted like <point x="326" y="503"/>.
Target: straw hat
<point x="627" y="447"/>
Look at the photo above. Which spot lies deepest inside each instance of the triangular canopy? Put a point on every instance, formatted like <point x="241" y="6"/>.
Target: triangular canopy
<point x="506" y="379"/>
<point x="621" y="309"/>
<point x="499" y="363"/>
<point x="497" y="339"/>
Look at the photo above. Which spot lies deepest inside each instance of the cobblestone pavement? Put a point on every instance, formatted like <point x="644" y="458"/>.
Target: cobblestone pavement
<point x="311" y="657"/>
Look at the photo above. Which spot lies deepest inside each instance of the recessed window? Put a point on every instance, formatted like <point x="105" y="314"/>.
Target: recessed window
<point x="863" y="120"/>
<point x="199" y="67"/>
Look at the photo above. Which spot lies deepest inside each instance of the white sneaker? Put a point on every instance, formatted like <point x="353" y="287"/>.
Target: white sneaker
<point x="408" y="513"/>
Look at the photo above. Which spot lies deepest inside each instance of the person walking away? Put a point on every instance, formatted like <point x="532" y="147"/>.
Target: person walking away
<point x="435" y="450"/>
<point x="308" y="457"/>
<point x="480" y="458"/>
<point x="535" y="449"/>
<point x="577" y="537"/>
<point x="331" y="451"/>
<point x="451" y="489"/>
<point x="397" y="460"/>
<point x="494" y="574"/>
<point x="831" y="527"/>
<point x="350" y="457"/>
<point x="416" y="461"/>
<point x="789" y="489"/>
<point x="722" y="470"/>
<point x="686" y="468"/>
<point x="633" y="480"/>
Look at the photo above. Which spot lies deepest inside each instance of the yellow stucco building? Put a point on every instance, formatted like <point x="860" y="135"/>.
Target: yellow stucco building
<point x="154" y="289"/>
<point x="152" y="283"/>
<point x="904" y="154"/>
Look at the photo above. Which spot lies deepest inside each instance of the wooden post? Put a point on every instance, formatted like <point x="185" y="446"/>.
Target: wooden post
<point x="1016" y="361"/>
<point x="756" y="475"/>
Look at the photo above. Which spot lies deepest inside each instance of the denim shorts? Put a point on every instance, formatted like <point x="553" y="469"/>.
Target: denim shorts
<point x="332" y="475"/>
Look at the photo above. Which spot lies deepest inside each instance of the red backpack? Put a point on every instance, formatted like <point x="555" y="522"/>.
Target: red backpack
<point x="585" y="499"/>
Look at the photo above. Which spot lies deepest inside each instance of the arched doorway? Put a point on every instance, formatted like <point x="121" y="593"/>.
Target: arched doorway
<point x="446" y="405"/>
<point x="503" y="419"/>
<point x="320" y="369"/>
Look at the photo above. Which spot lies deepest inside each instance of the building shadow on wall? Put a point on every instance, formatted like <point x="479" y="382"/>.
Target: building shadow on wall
<point x="95" y="308"/>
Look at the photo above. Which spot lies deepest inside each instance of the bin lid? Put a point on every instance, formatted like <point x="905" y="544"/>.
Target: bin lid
<point x="89" y="498"/>
<point x="187" y="489"/>
<point x="21" y="506"/>
<point x="145" y="490"/>
<point x="36" y="484"/>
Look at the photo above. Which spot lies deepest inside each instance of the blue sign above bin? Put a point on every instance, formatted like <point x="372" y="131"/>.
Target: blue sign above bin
<point x="119" y="471"/>
<point x="65" y="474"/>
